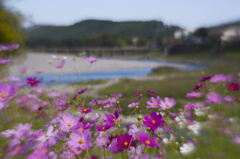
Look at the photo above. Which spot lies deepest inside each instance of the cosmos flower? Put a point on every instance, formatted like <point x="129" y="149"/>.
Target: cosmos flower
<point x="60" y="64"/>
<point x="49" y="135"/>
<point x="154" y="102"/>
<point x="153" y="121"/>
<point x="206" y="78"/>
<point x="232" y="86"/>
<point x="82" y="91"/>
<point x="151" y="92"/>
<point x="194" y="95"/>
<point x="145" y="139"/>
<point x="32" y="81"/>
<point x="135" y="153"/>
<point x="13" y="79"/>
<point x="199" y="85"/>
<point x="92" y="59"/>
<point x="5" y="61"/>
<point x="125" y="141"/>
<point x="195" y="127"/>
<point x="187" y="147"/>
<point x="68" y="122"/>
<point x="220" y="78"/>
<point x="85" y="111"/>
<point x="133" y="105"/>
<point x="116" y="95"/>
<point x="214" y="98"/>
<point x="7" y="91"/>
<point x="79" y="139"/>
<point x="167" y="103"/>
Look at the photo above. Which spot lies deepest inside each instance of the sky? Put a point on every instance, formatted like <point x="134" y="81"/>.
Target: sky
<point x="188" y="14"/>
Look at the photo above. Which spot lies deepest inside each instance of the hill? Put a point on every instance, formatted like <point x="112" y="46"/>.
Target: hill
<point x="95" y="28"/>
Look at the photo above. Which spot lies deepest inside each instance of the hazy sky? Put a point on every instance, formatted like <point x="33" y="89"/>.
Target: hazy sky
<point x="188" y="14"/>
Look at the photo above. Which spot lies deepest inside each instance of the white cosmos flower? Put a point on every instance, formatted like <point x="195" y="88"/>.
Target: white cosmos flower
<point x="186" y="148"/>
<point x="195" y="127"/>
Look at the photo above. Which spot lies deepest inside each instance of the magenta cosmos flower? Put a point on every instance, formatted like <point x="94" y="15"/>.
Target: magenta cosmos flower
<point x="68" y="122"/>
<point x="145" y="139"/>
<point x="92" y="59"/>
<point x="153" y="121"/>
<point x="125" y="141"/>
<point x="206" y="78"/>
<point x="32" y="81"/>
<point x="232" y="86"/>
<point x="79" y="139"/>
<point x="6" y="91"/>
<point x="85" y="111"/>
<point x="194" y="95"/>
<point x="199" y="85"/>
<point x="167" y="103"/>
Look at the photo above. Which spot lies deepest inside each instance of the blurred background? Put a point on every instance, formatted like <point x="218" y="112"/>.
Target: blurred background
<point x="170" y="27"/>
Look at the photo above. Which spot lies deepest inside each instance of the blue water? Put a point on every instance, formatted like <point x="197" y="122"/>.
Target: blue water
<point x="50" y="79"/>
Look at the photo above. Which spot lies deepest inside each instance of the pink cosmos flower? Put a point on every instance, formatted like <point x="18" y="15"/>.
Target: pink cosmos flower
<point x="138" y="94"/>
<point x="5" y="61"/>
<point x="220" y="78"/>
<point x="92" y="59"/>
<point x="133" y="105"/>
<point x="145" y="139"/>
<point x="49" y="135"/>
<point x="214" y="98"/>
<point x="79" y="139"/>
<point x="8" y="47"/>
<point x="68" y="122"/>
<point x="23" y="69"/>
<point x="116" y="95"/>
<point x="60" y="64"/>
<point x="135" y="153"/>
<point x="7" y="91"/>
<point x="153" y="121"/>
<point x="154" y="102"/>
<point x="85" y="111"/>
<point x="167" y="103"/>
<point x="82" y="127"/>
<point x="13" y="79"/>
<point x="194" y="95"/>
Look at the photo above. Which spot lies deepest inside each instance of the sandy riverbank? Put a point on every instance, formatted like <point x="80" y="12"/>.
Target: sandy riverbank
<point x="40" y="62"/>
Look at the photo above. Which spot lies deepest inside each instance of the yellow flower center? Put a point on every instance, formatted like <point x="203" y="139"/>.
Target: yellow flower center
<point x="81" y="128"/>
<point x="155" y="104"/>
<point x="3" y="95"/>
<point x="153" y="121"/>
<point x="103" y="128"/>
<point x="84" y="110"/>
<point x="114" y="120"/>
<point x="69" y="124"/>
<point x="147" y="142"/>
<point x="46" y="135"/>
<point x="18" y="149"/>
<point x="125" y="143"/>
<point x="75" y="151"/>
<point x="80" y="141"/>
<point x="167" y="105"/>
<point x="44" y="151"/>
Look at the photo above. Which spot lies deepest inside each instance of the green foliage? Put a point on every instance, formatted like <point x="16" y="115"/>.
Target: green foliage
<point x="11" y="30"/>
